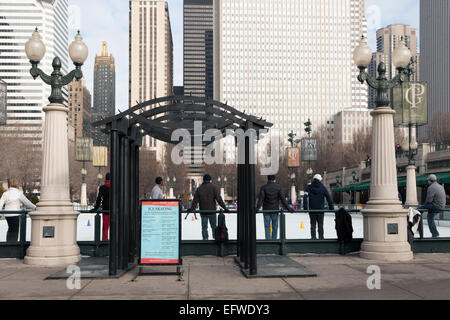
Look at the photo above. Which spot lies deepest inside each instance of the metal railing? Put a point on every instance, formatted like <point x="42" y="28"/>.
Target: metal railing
<point x="98" y="248"/>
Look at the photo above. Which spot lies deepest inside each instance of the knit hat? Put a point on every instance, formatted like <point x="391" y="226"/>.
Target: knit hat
<point x="207" y="177"/>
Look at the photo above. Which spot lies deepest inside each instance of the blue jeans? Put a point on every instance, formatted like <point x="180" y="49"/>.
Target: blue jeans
<point x="212" y="221"/>
<point x="432" y="210"/>
<point x="271" y="219"/>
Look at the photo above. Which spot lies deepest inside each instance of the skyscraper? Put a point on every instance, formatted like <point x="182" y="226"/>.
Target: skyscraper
<point x="198" y="47"/>
<point x="435" y="57"/>
<point x="27" y="97"/>
<point x="104" y="92"/>
<point x="288" y="61"/>
<point x="80" y="101"/>
<point x="387" y="41"/>
<point x="151" y="57"/>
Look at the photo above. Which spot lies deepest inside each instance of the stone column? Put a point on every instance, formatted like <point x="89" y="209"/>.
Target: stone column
<point x="385" y="220"/>
<point x="83" y="197"/>
<point x="411" y="186"/>
<point x="171" y="195"/>
<point x="54" y="224"/>
<point x="222" y="193"/>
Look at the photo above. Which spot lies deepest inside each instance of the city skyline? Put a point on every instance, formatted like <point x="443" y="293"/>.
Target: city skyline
<point x="112" y="26"/>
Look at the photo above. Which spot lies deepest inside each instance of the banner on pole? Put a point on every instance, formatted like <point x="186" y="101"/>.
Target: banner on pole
<point x="410" y="102"/>
<point x="100" y="156"/>
<point x="83" y="149"/>
<point x="309" y="149"/>
<point x="293" y="157"/>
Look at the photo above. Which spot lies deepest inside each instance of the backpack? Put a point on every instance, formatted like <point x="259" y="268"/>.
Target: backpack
<point x="221" y="229"/>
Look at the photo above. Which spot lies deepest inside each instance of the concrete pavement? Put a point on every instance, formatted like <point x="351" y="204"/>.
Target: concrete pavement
<point x="205" y="278"/>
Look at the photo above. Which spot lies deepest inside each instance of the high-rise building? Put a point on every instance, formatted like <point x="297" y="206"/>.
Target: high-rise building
<point x="27" y="97"/>
<point x="104" y="92"/>
<point x="79" y="101"/>
<point x="435" y="58"/>
<point x="198" y="47"/>
<point x="387" y="41"/>
<point x="151" y="57"/>
<point x="287" y="61"/>
<point x="348" y="122"/>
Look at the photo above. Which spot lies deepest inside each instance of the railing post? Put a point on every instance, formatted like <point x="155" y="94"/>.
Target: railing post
<point x="23" y="234"/>
<point x="97" y="234"/>
<point x="282" y="234"/>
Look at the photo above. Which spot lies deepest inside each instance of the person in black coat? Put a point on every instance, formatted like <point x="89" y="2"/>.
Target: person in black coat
<point x="314" y="199"/>
<point x="103" y="201"/>
<point x="207" y="195"/>
<point x="270" y="196"/>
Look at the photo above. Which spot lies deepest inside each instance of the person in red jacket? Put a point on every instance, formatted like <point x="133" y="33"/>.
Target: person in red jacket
<point x="103" y="201"/>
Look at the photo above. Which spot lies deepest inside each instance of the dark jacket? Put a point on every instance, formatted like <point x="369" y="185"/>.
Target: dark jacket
<point x="270" y="196"/>
<point x="344" y="228"/>
<point x="315" y="195"/>
<point x="207" y="195"/>
<point x="102" y="198"/>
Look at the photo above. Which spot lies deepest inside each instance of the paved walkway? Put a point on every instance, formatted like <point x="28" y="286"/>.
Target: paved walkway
<point x="427" y="277"/>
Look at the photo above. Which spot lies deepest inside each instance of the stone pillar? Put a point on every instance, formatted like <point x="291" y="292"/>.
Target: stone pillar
<point x="54" y="224"/>
<point x="411" y="186"/>
<point x="171" y="195"/>
<point x="385" y="220"/>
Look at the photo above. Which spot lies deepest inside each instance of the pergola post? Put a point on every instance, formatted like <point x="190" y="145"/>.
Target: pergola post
<point x="114" y="199"/>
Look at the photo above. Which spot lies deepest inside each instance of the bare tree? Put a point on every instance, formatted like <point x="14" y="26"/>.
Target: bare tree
<point x="439" y="128"/>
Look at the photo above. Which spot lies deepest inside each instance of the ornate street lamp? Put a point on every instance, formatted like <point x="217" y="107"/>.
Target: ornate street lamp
<point x="339" y="181"/>
<point x="384" y="219"/>
<point x="410" y="150"/>
<point x="54" y="224"/>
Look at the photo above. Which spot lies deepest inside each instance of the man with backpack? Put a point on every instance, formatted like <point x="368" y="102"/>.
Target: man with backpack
<point x="207" y="195"/>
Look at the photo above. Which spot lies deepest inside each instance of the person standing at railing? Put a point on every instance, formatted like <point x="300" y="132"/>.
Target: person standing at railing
<point x="103" y="202"/>
<point x="314" y="199"/>
<point x="157" y="193"/>
<point x="13" y="199"/>
<point x="434" y="203"/>
<point x="270" y="196"/>
<point x="207" y="195"/>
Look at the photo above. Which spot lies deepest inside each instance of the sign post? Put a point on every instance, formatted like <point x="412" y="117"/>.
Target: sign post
<point x="160" y="235"/>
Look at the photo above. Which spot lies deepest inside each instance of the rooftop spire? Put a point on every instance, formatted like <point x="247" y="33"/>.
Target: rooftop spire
<point x="105" y="49"/>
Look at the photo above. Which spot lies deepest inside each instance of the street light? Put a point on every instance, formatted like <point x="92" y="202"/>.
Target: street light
<point x="384" y="214"/>
<point x="53" y="240"/>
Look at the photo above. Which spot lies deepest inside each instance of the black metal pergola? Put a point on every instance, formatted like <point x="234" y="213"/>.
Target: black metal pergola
<point x="158" y="118"/>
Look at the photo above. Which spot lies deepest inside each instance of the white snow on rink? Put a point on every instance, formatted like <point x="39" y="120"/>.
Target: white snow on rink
<point x="192" y="229"/>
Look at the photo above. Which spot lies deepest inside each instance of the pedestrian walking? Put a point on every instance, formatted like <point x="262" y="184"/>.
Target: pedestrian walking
<point x="102" y="203"/>
<point x="314" y="199"/>
<point x="157" y="193"/>
<point x="13" y="200"/>
<point x="434" y="203"/>
<point x="270" y="196"/>
<point x="207" y="196"/>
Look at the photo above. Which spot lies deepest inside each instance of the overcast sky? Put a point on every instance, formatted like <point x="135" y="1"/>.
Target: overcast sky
<point x="107" y="20"/>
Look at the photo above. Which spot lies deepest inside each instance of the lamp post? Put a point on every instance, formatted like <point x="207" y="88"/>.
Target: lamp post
<point x="83" y="198"/>
<point x="385" y="223"/>
<point x="308" y="130"/>
<point x="171" y="184"/>
<point x="223" y="183"/>
<point x="54" y="224"/>
<point x="293" y="188"/>
<point x="355" y="180"/>
<point x="410" y="149"/>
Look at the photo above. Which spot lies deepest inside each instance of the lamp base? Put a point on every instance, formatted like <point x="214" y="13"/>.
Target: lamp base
<point x="53" y="241"/>
<point x="386" y="235"/>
